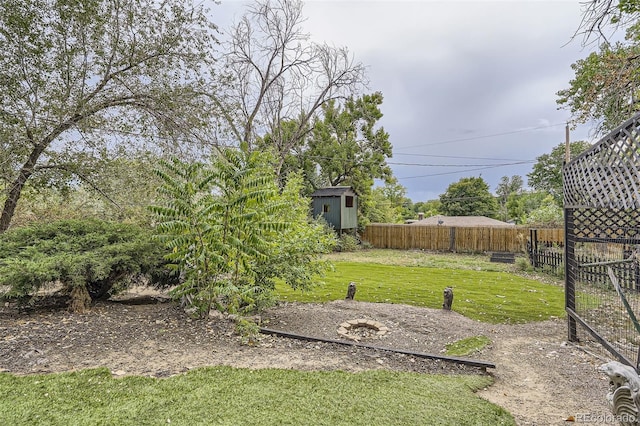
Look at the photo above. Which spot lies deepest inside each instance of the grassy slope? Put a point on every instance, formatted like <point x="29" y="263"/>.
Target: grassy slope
<point x="226" y="396"/>
<point x="421" y="258"/>
<point x="496" y="297"/>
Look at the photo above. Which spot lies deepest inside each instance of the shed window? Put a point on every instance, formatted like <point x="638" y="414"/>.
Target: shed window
<point x="348" y="201"/>
<point x="325" y="208"/>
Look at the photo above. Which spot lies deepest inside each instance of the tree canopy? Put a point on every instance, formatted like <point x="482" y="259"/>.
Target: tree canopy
<point x="606" y="86"/>
<point x="389" y="204"/>
<point x="547" y="171"/>
<point x="74" y="71"/>
<point x="508" y="187"/>
<point x="547" y="214"/>
<point x="90" y="87"/>
<point x="601" y="18"/>
<point x="468" y="197"/>
<point x="428" y="208"/>
<point x="348" y="147"/>
<point x="521" y="204"/>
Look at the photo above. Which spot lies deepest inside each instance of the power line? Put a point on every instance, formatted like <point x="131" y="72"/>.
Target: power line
<point x="460" y="165"/>
<point x="512" y="132"/>
<point x="457" y="156"/>
<point x="451" y="173"/>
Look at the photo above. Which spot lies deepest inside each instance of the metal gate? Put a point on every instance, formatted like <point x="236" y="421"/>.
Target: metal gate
<point x="602" y="242"/>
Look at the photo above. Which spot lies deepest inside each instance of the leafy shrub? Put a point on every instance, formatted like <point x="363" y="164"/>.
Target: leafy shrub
<point x="232" y="232"/>
<point x="549" y="214"/>
<point x="90" y="258"/>
<point x="248" y="330"/>
<point x="366" y="245"/>
<point x="347" y="243"/>
<point x="522" y="264"/>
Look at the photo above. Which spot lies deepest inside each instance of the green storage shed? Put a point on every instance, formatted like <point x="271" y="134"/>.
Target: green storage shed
<point x="338" y="205"/>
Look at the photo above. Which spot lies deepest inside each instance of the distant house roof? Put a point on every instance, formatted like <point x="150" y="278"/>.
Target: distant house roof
<point x="333" y="191"/>
<point x="461" y="221"/>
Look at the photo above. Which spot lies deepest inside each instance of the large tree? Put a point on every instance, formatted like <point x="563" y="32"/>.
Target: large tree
<point x="77" y="75"/>
<point x="508" y="186"/>
<point x="468" y="197"/>
<point x="521" y="204"/>
<point x="547" y="171"/>
<point x="279" y="75"/>
<point x="606" y="86"/>
<point x="349" y="146"/>
<point x="388" y="204"/>
<point x="427" y="208"/>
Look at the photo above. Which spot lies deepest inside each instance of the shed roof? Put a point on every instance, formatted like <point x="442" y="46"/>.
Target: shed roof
<point x="333" y="191"/>
<point x="461" y="221"/>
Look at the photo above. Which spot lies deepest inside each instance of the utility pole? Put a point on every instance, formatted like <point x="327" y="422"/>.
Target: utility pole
<point x="567" y="146"/>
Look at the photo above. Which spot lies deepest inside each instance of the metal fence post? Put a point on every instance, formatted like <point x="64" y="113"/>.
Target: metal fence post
<point x="569" y="278"/>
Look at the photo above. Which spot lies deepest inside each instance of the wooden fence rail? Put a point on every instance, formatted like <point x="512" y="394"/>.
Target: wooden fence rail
<point x="457" y="239"/>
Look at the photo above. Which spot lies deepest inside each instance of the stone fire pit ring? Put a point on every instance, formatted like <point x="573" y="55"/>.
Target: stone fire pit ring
<point x="346" y="329"/>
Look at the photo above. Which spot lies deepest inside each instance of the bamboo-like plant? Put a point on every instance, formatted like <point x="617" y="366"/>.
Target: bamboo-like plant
<point x="228" y="225"/>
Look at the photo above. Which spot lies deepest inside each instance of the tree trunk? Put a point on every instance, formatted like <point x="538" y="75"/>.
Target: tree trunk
<point x="80" y="299"/>
<point x="12" y="201"/>
<point x="16" y="187"/>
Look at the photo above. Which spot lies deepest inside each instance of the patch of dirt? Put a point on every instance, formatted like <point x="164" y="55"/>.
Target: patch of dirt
<point x="539" y="378"/>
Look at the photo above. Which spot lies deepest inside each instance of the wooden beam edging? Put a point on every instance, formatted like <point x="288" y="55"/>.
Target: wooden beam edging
<point x="465" y="361"/>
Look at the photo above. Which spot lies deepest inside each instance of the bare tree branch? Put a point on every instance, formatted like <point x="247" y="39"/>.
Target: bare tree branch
<point x="280" y="75"/>
<point x="601" y="19"/>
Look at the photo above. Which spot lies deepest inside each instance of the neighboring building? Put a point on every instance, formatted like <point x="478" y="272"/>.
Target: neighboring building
<point x="461" y="221"/>
<point x="338" y="205"/>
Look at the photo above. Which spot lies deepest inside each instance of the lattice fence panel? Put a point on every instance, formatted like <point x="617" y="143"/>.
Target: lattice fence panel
<point x="608" y="175"/>
<point x="607" y="225"/>
<point x="602" y="229"/>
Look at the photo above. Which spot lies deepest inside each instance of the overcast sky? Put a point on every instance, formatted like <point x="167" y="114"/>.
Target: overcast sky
<point x="469" y="86"/>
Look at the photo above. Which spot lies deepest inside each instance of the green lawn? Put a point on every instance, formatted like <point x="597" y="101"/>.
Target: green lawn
<point x="490" y="296"/>
<point x="421" y="258"/>
<point x="227" y="396"/>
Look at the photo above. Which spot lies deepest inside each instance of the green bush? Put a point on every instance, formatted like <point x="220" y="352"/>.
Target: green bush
<point x="248" y="330"/>
<point x="347" y="243"/>
<point x="89" y="257"/>
<point x="232" y="232"/>
<point x="523" y="264"/>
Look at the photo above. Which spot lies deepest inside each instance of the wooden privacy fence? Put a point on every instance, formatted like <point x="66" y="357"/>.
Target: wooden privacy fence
<point x="458" y="239"/>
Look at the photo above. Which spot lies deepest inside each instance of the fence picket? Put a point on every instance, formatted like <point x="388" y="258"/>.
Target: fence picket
<point x="459" y="239"/>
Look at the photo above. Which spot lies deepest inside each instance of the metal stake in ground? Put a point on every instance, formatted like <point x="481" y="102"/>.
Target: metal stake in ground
<point x="448" y="299"/>
<point x="351" y="291"/>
